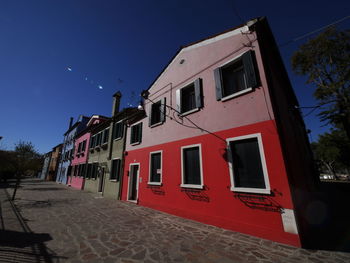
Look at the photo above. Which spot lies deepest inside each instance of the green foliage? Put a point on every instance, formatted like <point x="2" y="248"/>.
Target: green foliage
<point x="332" y="151"/>
<point x="24" y="160"/>
<point x="325" y="60"/>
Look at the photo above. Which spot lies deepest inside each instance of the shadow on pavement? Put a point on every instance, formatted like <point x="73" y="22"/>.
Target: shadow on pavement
<point x="21" y="239"/>
<point x="44" y="189"/>
<point x="22" y="245"/>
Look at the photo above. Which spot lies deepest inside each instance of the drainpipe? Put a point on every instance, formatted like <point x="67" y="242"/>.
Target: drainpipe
<point x="115" y="109"/>
<point x="123" y="165"/>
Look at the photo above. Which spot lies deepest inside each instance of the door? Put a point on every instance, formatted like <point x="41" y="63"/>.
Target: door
<point x="133" y="182"/>
<point x="101" y="175"/>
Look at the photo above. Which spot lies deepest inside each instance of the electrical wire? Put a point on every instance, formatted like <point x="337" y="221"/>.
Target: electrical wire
<point x="307" y="114"/>
<point x="195" y="126"/>
<point x="314" y="31"/>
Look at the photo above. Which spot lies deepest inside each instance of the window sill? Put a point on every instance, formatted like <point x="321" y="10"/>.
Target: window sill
<point x="117" y="139"/>
<point x="104" y="146"/>
<point x="234" y="95"/>
<point x="195" y="186"/>
<point x="154" y="183"/>
<point x="113" y="180"/>
<point x="189" y="112"/>
<point x="135" y="143"/>
<point x="156" y="124"/>
<point x="250" y="190"/>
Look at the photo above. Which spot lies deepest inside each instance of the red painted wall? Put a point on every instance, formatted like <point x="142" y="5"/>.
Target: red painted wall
<point x="218" y="206"/>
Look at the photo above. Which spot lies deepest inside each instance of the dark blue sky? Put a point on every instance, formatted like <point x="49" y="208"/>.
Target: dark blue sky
<point x="120" y="45"/>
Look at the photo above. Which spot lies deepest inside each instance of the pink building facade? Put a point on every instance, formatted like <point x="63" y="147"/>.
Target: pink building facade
<point x="81" y="151"/>
<point x="220" y="141"/>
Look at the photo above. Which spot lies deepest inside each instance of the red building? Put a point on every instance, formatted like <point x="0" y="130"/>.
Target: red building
<point x="223" y="142"/>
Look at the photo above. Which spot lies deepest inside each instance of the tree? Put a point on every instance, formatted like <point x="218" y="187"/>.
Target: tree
<point x="325" y="60"/>
<point x="7" y="165"/>
<point x="24" y="160"/>
<point x="332" y="151"/>
<point x="28" y="160"/>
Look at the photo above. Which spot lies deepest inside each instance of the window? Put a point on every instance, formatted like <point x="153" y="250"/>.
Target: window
<point x="92" y="142"/>
<point x="105" y="136"/>
<point x="155" y="168"/>
<point x="189" y="98"/>
<point x="98" y="139"/>
<point x="115" y="171"/>
<point x="136" y="134"/>
<point x="191" y="165"/>
<point x="237" y="77"/>
<point x="81" y="170"/>
<point x="89" y="170"/>
<point x="157" y="113"/>
<point x="118" y="130"/>
<point x="79" y="147"/>
<point x="247" y="164"/>
<point x="94" y="170"/>
<point x="83" y="147"/>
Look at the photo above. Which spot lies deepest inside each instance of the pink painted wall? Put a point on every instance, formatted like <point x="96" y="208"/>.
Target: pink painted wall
<point x="82" y="157"/>
<point x="200" y="61"/>
<point x="75" y="181"/>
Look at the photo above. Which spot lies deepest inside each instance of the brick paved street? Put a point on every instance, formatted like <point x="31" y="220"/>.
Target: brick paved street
<point x="54" y="223"/>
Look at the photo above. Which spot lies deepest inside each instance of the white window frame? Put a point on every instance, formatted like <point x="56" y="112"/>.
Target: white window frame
<point x="241" y="92"/>
<point x="161" y="168"/>
<point x="267" y="189"/>
<point x="180" y="100"/>
<point x="115" y="180"/>
<point x="199" y="186"/>
<point x="114" y="127"/>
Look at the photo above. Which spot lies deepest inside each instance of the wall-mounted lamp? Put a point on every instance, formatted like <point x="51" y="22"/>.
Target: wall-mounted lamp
<point x="144" y="94"/>
<point x="140" y="107"/>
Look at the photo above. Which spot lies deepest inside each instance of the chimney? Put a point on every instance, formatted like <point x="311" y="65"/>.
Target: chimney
<point x="70" y="122"/>
<point x="116" y="103"/>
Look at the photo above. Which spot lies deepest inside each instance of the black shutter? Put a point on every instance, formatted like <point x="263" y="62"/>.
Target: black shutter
<point x="132" y="134"/>
<point x="198" y="93"/>
<point x="140" y="133"/>
<point x="150" y="115"/>
<point x="218" y="83"/>
<point x="118" y="169"/>
<point x="248" y="59"/>
<point x="162" y="110"/>
<point x="121" y="129"/>
<point x="115" y="132"/>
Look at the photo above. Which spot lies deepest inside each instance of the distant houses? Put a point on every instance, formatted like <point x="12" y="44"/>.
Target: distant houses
<point x="45" y="170"/>
<point x="217" y="139"/>
<point x="64" y="165"/>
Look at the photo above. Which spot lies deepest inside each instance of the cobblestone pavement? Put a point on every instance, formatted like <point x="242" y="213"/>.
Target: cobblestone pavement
<point x="54" y="223"/>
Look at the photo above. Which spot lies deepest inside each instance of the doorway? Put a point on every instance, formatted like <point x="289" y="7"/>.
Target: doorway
<point x="133" y="182"/>
<point x="101" y="174"/>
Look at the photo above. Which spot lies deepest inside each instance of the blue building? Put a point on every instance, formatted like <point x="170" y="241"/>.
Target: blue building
<point x="64" y="165"/>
